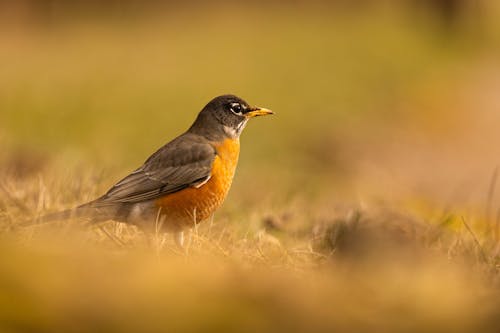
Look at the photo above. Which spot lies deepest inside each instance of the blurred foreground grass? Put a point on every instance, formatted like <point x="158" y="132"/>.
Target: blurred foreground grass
<point x="368" y="203"/>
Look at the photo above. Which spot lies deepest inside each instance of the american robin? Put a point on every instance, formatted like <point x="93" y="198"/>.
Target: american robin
<point x="183" y="182"/>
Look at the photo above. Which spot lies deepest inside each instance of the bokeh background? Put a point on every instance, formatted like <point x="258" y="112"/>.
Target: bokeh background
<point x="376" y="96"/>
<point x="386" y="109"/>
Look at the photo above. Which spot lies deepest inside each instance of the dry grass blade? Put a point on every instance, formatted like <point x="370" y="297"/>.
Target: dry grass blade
<point x="491" y="194"/>
<point x="476" y="241"/>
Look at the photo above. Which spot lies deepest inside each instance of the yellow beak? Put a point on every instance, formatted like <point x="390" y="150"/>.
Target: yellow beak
<point x="256" y="112"/>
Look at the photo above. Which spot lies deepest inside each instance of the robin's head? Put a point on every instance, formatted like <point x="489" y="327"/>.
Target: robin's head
<point x="226" y="115"/>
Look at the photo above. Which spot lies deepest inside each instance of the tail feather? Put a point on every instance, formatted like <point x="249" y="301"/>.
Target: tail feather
<point x="83" y="211"/>
<point x="57" y="216"/>
<point x="54" y="217"/>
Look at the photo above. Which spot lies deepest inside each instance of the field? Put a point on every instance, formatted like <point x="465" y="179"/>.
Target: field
<point x="369" y="202"/>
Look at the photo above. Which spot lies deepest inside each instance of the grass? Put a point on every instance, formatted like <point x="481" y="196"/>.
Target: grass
<point x="368" y="203"/>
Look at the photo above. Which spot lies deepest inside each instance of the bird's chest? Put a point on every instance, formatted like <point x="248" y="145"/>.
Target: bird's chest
<point x="195" y="204"/>
<point x="213" y="193"/>
<point x="225" y="163"/>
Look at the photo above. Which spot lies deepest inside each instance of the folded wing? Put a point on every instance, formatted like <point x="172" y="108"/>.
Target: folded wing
<point x="184" y="162"/>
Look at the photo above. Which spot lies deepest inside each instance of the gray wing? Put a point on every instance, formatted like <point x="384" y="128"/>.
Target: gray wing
<point x="184" y="162"/>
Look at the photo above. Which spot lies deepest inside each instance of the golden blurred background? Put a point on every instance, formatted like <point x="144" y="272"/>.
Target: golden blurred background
<point x="367" y="92"/>
<point x="387" y="116"/>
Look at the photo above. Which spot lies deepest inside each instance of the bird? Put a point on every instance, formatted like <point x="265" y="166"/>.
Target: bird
<point x="184" y="182"/>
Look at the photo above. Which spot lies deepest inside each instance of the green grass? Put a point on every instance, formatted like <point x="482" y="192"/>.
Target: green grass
<point x="367" y="203"/>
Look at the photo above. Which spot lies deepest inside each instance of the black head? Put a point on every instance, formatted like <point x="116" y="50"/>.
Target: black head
<point x="226" y="114"/>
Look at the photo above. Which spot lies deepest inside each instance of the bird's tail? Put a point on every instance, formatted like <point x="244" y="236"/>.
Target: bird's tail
<point x="85" y="211"/>
<point x="53" y="217"/>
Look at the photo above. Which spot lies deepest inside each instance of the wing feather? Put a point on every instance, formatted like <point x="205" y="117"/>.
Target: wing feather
<point x="184" y="162"/>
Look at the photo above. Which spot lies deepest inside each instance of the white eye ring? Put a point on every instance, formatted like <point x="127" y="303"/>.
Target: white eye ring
<point x="237" y="109"/>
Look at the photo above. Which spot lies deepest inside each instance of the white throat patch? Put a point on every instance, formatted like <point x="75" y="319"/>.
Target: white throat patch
<point x="235" y="132"/>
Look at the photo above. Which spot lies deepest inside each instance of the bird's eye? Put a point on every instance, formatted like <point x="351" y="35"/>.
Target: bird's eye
<point x="236" y="108"/>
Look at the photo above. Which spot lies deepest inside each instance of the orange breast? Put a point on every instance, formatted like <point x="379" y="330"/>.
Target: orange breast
<point x="193" y="205"/>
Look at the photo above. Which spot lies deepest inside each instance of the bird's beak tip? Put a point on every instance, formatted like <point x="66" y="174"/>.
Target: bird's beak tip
<point x="258" y="111"/>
